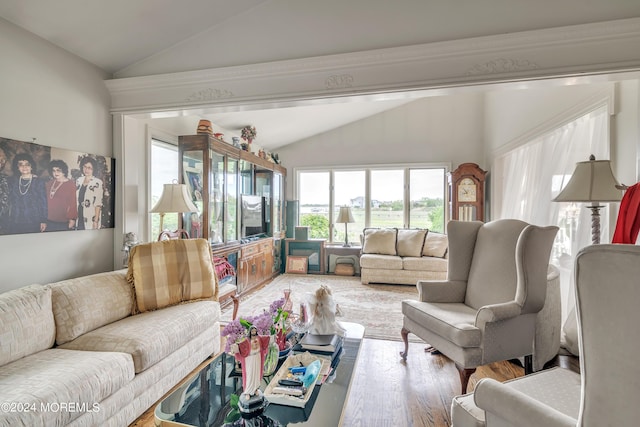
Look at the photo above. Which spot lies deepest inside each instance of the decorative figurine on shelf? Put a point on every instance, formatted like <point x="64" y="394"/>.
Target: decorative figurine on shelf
<point x="324" y="310"/>
<point x="251" y="353"/>
<point x="236" y="141"/>
<point x="249" y="133"/>
<point x="204" y="127"/>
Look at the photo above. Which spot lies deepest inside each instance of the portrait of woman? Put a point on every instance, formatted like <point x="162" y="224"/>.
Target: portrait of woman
<point x="27" y="197"/>
<point x="62" y="207"/>
<point x="4" y="193"/>
<point x="90" y="191"/>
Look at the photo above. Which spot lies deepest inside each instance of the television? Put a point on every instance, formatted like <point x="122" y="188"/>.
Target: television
<point x="252" y="216"/>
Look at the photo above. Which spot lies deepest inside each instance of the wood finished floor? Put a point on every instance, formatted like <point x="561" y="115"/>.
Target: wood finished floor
<point x="387" y="392"/>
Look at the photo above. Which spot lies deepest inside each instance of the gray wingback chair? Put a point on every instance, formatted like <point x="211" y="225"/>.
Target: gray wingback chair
<point x="486" y="309"/>
<point x="607" y="295"/>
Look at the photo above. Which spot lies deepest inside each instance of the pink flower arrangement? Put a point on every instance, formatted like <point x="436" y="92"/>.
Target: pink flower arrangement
<point x="270" y="322"/>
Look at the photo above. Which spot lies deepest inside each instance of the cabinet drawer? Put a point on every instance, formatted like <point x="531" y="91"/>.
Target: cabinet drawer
<point x="250" y="250"/>
<point x="265" y="246"/>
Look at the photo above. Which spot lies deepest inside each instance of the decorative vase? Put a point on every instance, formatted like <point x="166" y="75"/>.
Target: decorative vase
<point x="271" y="358"/>
<point x="288" y="304"/>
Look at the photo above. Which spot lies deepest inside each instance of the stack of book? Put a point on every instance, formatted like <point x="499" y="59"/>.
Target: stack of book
<point x="329" y="346"/>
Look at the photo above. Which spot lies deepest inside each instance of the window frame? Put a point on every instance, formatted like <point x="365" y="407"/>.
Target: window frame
<point x="406" y="167"/>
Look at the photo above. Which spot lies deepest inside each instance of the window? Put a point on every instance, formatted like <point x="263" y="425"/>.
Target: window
<point x="163" y="170"/>
<point x="314" y="203"/>
<point x="387" y="198"/>
<point x="527" y="179"/>
<point x="394" y="196"/>
<point x="350" y="191"/>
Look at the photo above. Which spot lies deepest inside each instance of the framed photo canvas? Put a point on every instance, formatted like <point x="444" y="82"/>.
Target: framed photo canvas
<point x="297" y="264"/>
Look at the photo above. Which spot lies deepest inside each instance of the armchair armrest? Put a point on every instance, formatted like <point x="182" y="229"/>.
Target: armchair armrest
<point x="441" y="290"/>
<point x="497" y="312"/>
<point x="516" y="408"/>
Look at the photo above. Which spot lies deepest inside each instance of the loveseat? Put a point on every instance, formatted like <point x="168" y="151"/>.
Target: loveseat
<point x="402" y="256"/>
<point x="72" y="353"/>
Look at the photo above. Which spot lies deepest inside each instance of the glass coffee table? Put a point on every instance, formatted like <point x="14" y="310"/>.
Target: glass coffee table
<point x="203" y="400"/>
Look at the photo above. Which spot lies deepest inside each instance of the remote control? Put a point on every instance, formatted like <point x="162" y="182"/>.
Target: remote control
<point x="290" y="383"/>
<point x="291" y="391"/>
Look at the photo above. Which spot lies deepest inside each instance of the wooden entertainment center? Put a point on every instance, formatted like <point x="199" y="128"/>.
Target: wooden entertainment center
<point x="240" y="201"/>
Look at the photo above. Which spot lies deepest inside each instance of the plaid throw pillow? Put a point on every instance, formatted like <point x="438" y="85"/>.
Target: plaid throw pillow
<point x="170" y="272"/>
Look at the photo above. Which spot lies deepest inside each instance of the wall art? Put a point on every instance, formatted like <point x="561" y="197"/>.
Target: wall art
<point x="45" y="189"/>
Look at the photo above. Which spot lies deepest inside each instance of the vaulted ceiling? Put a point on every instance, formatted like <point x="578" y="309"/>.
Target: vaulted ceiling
<point x="128" y="38"/>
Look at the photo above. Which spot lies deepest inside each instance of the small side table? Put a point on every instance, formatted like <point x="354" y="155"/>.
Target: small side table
<point x="312" y="248"/>
<point x="343" y="251"/>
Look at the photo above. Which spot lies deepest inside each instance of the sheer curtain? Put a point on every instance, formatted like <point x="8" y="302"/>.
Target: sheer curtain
<point x="527" y="178"/>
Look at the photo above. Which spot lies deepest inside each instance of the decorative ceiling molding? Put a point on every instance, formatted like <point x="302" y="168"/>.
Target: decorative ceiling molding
<point x="501" y="65"/>
<point x="575" y="50"/>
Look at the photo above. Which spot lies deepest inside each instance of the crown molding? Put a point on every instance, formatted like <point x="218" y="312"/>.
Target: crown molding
<point x="565" y="51"/>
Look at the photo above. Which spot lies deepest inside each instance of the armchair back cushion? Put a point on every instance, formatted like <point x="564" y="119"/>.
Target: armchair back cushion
<point x="492" y="274"/>
<point x="171" y="271"/>
<point x="607" y="295"/>
<point x="26" y="322"/>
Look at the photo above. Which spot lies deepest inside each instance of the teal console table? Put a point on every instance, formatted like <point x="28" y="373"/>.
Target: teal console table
<point x="313" y="249"/>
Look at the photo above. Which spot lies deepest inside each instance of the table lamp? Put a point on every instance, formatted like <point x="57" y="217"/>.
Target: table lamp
<point x="345" y="216"/>
<point x="175" y="198"/>
<point x="592" y="182"/>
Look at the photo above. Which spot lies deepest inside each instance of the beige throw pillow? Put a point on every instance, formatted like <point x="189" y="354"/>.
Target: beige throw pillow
<point x="380" y="241"/>
<point x="410" y="242"/>
<point x="435" y="245"/>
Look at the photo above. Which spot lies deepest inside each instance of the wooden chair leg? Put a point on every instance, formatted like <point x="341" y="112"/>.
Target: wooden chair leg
<point x="405" y="337"/>
<point x="236" y="305"/>
<point x="465" y="374"/>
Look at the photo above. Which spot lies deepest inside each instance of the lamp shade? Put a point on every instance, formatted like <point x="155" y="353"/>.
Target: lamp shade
<point x="175" y="198"/>
<point x="344" y="216"/>
<point x="592" y="181"/>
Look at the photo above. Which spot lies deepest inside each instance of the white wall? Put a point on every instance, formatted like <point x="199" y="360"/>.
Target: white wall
<point x="438" y="129"/>
<point x="62" y="101"/>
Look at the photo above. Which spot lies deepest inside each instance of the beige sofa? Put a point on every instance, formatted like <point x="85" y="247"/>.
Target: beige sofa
<point x="402" y="256"/>
<point x="72" y="353"/>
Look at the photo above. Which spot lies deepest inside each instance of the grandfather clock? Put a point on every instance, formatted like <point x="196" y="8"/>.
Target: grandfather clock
<point x="466" y="192"/>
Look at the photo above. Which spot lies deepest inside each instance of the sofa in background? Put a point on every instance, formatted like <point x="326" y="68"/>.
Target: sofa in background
<point x="72" y="353"/>
<point x="402" y="256"/>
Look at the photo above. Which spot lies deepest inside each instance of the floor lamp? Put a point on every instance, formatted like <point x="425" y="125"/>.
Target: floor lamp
<point x="345" y="216"/>
<point x="175" y="198"/>
<point x="592" y="182"/>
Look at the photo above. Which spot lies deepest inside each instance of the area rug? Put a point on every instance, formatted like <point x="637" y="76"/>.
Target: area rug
<point x="377" y="307"/>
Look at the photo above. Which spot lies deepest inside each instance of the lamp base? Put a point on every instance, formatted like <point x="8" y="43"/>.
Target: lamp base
<point x="595" y="224"/>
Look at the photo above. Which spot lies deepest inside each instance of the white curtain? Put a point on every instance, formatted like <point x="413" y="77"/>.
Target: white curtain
<point x="527" y="178"/>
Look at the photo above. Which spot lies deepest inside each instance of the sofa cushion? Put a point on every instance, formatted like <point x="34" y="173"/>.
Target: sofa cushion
<point x="172" y="271"/>
<point x="452" y="321"/>
<point x="57" y="377"/>
<point x="425" y="263"/>
<point x="26" y="322"/>
<point x="149" y="337"/>
<point x="380" y="241"/>
<point x="410" y="242"/>
<point x="387" y="262"/>
<point x="436" y="245"/>
<point x="86" y="303"/>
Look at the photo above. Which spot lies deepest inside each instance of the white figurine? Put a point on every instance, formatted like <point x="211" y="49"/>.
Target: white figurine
<point x="324" y="310"/>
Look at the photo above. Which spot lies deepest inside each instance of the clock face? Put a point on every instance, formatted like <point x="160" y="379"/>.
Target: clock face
<point x="467" y="191"/>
